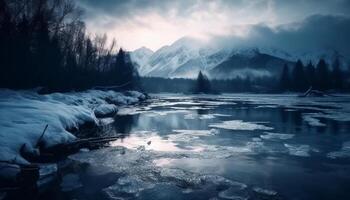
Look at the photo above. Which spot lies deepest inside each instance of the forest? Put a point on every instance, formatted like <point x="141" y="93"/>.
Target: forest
<point x="44" y="43"/>
<point x="294" y="78"/>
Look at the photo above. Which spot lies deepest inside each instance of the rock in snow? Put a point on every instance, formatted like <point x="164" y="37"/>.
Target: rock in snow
<point x="24" y="114"/>
<point x="105" y="110"/>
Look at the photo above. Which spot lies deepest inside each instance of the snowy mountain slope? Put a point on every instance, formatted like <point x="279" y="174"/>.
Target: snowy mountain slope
<point x="184" y="58"/>
<point x="167" y="59"/>
<point x="187" y="56"/>
<point x="250" y="63"/>
<point x="140" y="57"/>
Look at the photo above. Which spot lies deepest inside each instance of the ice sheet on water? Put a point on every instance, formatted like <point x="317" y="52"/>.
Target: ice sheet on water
<point x="344" y="152"/>
<point x="141" y="171"/>
<point x="127" y="186"/>
<point x="240" y="125"/>
<point x="204" y="116"/>
<point x="278" y="136"/>
<point x="311" y="119"/>
<point x="167" y="112"/>
<point x="70" y="182"/>
<point x="207" y="116"/>
<point x="301" y="150"/>
<point x="150" y="141"/>
<point x="132" y="110"/>
<point x="194" y="133"/>
<point x="221" y="115"/>
<point x="190" y="116"/>
<point x="264" y="191"/>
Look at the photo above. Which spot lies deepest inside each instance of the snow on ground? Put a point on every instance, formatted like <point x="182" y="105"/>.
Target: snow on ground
<point x="24" y="114"/>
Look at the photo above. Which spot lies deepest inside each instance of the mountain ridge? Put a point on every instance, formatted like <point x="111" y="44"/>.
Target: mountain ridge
<point x="187" y="56"/>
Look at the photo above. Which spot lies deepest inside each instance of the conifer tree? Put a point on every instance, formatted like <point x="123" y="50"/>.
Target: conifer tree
<point x="202" y="84"/>
<point x="322" y="75"/>
<point x="310" y="74"/>
<point x="285" y="79"/>
<point x="337" y="76"/>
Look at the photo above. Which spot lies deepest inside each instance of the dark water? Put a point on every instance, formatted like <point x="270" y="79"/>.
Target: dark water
<point x="220" y="147"/>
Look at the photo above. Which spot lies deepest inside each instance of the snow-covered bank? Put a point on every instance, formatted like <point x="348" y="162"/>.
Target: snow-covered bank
<point x="24" y="114"/>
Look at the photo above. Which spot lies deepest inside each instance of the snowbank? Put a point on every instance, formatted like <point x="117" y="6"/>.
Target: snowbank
<point x="24" y="114"/>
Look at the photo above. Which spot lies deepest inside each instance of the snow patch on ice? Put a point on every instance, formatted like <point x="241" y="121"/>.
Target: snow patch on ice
<point x="240" y="125"/>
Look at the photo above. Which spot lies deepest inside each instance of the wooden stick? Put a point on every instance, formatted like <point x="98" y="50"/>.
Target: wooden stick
<point x="42" y="135"/>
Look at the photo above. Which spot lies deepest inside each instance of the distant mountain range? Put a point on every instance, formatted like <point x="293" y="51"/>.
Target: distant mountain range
<point x="187" y="56"/>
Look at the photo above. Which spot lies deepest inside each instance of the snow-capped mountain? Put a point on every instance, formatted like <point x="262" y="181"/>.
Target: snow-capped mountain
<point x="183" y="58"/>
<point x="140" y="57"/>
<point x="187" y="56"/>
<point x="251" y="63"/>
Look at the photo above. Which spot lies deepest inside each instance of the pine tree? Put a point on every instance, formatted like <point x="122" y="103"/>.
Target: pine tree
<point x="125" y="74"/>
<point x="285" y="79"/>
<point x="310" y="74"/>
<point x="202" y="84"/>
<point x="322" y="75"/>
<point x="299" y="80"/>
<point x="337" y="76"/>
<point x="23" y="51"/>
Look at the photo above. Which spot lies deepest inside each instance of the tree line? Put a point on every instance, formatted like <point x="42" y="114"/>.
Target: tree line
<point x="321" y="77"/>
<point x="296" y="78"/>
<point x="45" y="43"/>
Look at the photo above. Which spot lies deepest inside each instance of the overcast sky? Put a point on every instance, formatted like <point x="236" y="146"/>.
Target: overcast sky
<point x="155" y="23"/>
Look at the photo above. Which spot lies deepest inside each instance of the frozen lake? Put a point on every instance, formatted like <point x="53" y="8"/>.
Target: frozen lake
<point x="219" y="147"/>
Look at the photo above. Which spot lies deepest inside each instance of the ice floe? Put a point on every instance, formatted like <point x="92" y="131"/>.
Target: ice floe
<point x="344" y="152"/>
<point x="301" y="150"/>
<point x="273" y="136"/>
<point x="264" y="191"/>
<point x="240" y="125"/>
<point x="127" y="186"/>
<point x="150" y="142"/>
<point x="312" y="120"/>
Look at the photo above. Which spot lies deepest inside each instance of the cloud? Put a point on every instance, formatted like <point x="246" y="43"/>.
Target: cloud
<point x="154" y="23"/>
<point x="317" y="32"/>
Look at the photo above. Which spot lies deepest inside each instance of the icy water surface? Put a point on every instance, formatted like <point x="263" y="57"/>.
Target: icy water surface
<point x="220" y="147"/>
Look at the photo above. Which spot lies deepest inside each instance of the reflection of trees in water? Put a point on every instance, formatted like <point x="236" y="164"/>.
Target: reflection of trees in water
<point x="123" y="124"/>
<point x="202" y="111"/>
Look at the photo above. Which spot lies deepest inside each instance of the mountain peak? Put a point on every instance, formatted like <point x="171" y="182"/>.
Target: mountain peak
<point x="188" y="42"/>
<point x="143" y="50"/>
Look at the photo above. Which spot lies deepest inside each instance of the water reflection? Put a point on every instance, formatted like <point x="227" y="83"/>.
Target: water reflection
<point x="269" y="147"/>
<point x="124" y="123"/>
